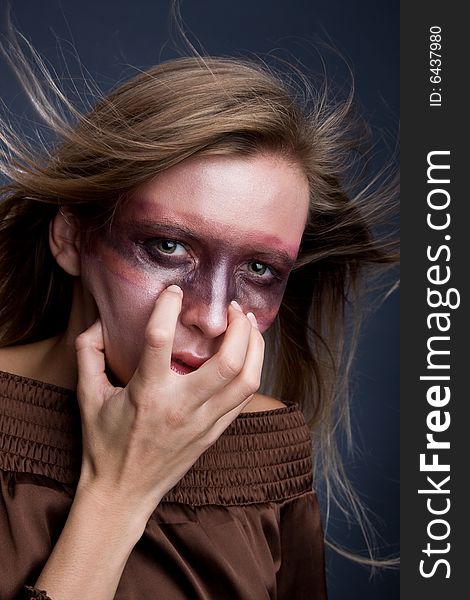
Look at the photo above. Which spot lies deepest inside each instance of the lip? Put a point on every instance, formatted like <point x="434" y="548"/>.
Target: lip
<point x="184" y="362"/>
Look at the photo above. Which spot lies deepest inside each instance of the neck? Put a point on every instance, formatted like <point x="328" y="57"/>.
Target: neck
<point x="62" y="355"/>
<point x="53" y="360"/>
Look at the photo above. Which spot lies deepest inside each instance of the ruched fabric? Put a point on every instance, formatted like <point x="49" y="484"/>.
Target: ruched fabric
<point x="242" y="524"/>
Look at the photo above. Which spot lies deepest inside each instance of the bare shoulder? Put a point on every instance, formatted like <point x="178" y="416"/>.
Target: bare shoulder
<point x="262" y="402"/>
<point x="12" y="359"/>
<point x="36" y="360"/>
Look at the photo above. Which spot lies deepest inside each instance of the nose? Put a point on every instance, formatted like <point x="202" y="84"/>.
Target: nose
<point x="209" y="317"/>
<point x="205" y="307"/>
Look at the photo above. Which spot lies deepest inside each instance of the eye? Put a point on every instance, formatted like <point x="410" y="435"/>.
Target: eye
<point x="259" y="268"/>
<point x="167" y="246"/>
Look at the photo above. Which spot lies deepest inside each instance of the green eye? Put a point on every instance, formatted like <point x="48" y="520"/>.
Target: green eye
<point x="166" y="246"/>
<point x="259" y="269"/>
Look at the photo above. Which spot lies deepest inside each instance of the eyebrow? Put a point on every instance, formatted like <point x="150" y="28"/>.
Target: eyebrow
<point x="279" y="255"/>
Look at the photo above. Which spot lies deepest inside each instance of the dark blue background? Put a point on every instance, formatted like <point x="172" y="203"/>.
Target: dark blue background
<point x="110" y="35"/>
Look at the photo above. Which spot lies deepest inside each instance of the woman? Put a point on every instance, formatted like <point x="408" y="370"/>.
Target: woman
<point x="211" y="175"/>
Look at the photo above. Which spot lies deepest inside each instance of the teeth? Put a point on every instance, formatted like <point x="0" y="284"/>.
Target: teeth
<point x="180" y="367"/>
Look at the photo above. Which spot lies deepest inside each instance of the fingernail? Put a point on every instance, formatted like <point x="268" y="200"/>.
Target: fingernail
<point x="252" y="319"/>
<point x="235" y="304"/>
<point x="174" y="288"/>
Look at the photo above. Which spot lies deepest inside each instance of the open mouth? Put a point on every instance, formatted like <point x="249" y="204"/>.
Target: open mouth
<point x="180" y="367"/>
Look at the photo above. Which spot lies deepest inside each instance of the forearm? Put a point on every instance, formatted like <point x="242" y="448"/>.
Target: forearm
<point x="92" y="550"/>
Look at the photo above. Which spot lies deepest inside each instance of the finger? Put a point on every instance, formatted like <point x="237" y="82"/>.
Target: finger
<point x="224" y="420"/>
<point x="226" y="363"/>
<point x="231" y="400"/>
<point x="92" y="379"/>
<point x="155" y="360"/>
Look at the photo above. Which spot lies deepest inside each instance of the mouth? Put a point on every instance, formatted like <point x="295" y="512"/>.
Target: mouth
<point x="180" y="367"/>
<point x="184" y="363"/>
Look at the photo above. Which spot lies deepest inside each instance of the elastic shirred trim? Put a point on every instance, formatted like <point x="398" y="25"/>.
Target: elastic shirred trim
<point x="261" y="457"/>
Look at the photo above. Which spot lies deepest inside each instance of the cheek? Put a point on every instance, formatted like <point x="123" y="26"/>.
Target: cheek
<point x="116" y="285"/>
<point x="266" y="319"/>
<point x="265" y="305"/>
<point x="125" y="298"/>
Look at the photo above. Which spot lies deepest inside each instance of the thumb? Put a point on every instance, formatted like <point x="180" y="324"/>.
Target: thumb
<point x="92" y="380"/>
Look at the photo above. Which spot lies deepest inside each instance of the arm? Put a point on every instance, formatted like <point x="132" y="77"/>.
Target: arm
<point x="93" y="548"/>
<point x="138" y="441"/>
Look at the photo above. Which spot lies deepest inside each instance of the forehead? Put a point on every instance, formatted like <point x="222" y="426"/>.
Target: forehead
<point x="262" y="197"/>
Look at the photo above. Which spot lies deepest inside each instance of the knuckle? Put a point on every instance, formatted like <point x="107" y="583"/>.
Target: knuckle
<point x="81" y="341"/>
<point x="175" y="417"/>
<point x="250" y="384"/>
<point x="157" y="337"/>
<point x="228" y="367"/>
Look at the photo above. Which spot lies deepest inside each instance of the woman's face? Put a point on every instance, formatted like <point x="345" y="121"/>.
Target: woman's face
<point x="222" y="228"/>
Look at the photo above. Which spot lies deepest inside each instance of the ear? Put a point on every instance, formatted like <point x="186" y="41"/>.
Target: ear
<point x="64" y="241"/>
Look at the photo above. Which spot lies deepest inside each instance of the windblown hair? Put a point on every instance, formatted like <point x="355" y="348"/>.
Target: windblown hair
<point x="205" y="105"/>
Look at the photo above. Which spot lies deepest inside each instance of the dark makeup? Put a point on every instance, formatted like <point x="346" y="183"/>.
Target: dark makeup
<point x="212" y="269"/>
<point x="222" y="228"/>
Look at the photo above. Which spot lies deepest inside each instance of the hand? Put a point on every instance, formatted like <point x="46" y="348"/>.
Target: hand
<point x="138" y="441"/>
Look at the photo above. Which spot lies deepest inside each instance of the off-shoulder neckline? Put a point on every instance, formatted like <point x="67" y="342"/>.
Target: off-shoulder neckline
<point x="262" y="456"/>
<point x="54" y="388"/>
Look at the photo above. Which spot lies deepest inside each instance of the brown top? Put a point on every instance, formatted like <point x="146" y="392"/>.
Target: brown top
<point x="242" y="524"/>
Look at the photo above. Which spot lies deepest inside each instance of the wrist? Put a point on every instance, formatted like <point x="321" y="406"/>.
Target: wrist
<point x="112" y="508"/>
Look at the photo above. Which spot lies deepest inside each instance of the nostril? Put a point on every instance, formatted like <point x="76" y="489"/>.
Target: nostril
<point x="209" y="315"/>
